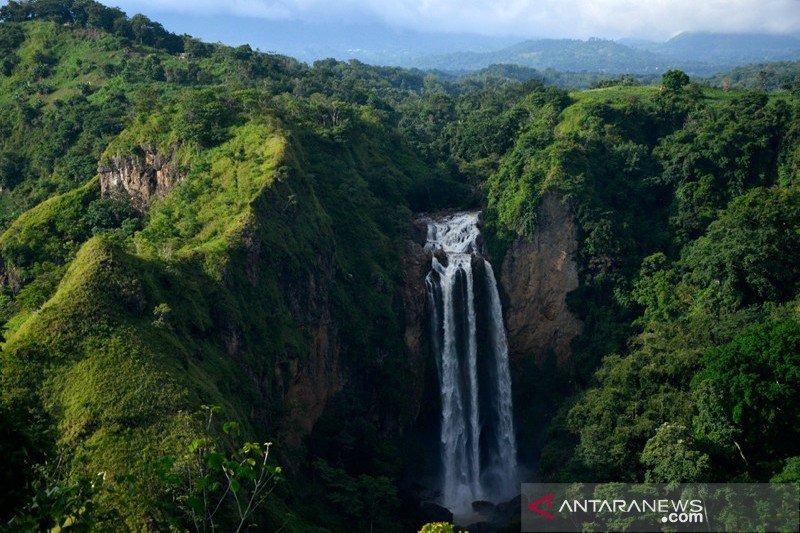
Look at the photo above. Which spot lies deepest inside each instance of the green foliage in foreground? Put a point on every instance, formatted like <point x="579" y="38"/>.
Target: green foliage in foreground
<point x="206" y="485"/>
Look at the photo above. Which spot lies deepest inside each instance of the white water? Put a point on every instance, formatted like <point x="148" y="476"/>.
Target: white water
<point x="478" y="447"/>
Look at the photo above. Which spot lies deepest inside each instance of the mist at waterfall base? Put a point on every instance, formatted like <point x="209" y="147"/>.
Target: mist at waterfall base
<point x="468" y="339"/>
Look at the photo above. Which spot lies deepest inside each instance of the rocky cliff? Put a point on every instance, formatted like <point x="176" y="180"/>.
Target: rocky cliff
<point x="308" y="381"/>
<point x="416" y="264"/>
<point x="536" y="276"/>
<point x="142" y="177"/>
<point x="310" y="384"/>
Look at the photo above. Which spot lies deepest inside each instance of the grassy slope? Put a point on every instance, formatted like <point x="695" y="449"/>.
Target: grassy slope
<point x="54" y="66"/>
<point x="72" y="90"/>
<point x="59" y="363"/>
<point x="90" y="360"/>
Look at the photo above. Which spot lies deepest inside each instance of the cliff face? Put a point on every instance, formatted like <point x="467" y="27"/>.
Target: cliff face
<point x="143" y="177"/>
<point x="310" y="385"/>
<point x="536" y="277"/>
<point x="308" y="382"/>
<point x="416" y="264"/>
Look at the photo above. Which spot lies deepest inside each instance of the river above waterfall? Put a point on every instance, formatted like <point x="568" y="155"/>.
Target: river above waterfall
<point x="468" y="338"/>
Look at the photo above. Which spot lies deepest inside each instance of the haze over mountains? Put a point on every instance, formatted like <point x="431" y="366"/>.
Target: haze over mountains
<point x="375" y="42"/>
<point x="369" y="42"/>
<point x="696" y="53"/>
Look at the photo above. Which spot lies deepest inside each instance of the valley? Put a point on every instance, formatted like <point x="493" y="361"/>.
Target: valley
<point x="419" y="290"/>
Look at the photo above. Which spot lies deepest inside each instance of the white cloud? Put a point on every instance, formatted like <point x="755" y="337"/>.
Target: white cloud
<point x="576" y="18"/>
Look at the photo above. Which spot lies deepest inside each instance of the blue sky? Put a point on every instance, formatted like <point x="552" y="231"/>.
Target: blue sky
<point x="652" y="19"/>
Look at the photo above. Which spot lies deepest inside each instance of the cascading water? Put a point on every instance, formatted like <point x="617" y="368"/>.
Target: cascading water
<point x="478" y="446"/>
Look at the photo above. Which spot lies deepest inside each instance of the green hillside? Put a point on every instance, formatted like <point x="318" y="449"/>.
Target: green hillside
<point x="262" y="275"/>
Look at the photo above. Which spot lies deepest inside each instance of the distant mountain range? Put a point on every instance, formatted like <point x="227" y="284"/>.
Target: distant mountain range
<point x="700" y="54"/>
<point x="597" y="55"/>
<point x="374" y="43"/>
<point x="730" y="49"/>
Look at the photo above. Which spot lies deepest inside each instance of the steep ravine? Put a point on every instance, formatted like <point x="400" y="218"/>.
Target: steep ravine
<point x="536" y="275"/>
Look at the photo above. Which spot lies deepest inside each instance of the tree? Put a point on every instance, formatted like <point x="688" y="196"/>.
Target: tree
<point x="195" y="48"/>
<point x="11" y="168"/>
<point x="671" y="457"/>
<point x="758" y="374"/>
<point x="674" y="80"/>
<point x="109" y="212"/>
<point x="95" y="15"/>
<point x="790" y="472"/>
<point x="751" y="254"/>
<point x="15" y="11"/>
<point x="203" y="116"/>
<point x="713" y="428"/>
<point x="364" y="500"/>
<point x="143" y="29"/>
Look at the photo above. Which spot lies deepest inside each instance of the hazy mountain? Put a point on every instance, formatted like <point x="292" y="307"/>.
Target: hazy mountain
<point x="374" y="43"/>
<point x="377" y="43"/>
<point x="732" y="49"/>
<point x="697" y="53"/>
<point x="599" y="55"/>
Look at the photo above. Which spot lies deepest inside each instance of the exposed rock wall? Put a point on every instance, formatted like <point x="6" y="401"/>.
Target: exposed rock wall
<point x="310" y="384"/>
<point x="304" y="382"/>
<point x="311" y="381"/>
<point x="416" y="264"/>
<point x="143" y="177"/>
<point x="536" y="277"/>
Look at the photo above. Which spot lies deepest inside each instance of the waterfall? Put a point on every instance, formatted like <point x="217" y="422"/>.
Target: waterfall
<point x="478" y="446"/>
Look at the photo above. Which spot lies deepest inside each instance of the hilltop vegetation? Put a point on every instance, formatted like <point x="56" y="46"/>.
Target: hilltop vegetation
<point x="273" y="264"/>
<point x="687" y="203"/>
<point x="783" y="75"/>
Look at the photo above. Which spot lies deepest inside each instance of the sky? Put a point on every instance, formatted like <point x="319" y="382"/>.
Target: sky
<point x="644" y="19"/>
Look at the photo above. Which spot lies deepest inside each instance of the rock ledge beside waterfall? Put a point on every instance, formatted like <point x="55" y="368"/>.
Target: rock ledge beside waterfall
<point x="536" y="276"/>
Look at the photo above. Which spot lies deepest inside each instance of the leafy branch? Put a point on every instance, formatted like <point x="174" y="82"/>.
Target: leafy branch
<point x="211" y="483"/>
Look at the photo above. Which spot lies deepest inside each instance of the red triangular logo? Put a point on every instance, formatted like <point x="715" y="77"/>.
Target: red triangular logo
<point x="535" y="506"/>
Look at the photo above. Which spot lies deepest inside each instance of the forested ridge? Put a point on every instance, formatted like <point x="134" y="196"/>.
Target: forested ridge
<point x="153" y="341"/>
